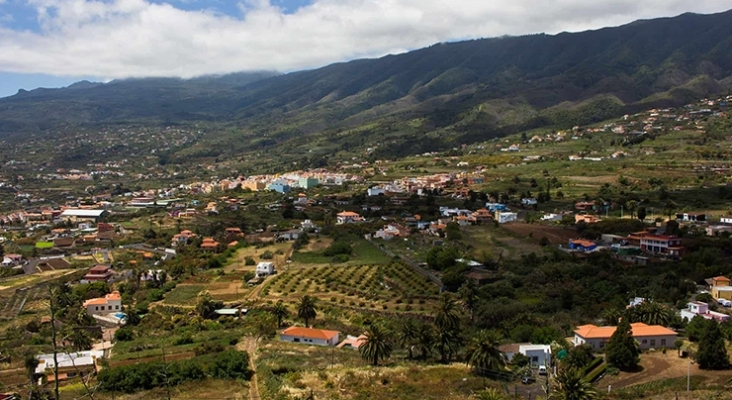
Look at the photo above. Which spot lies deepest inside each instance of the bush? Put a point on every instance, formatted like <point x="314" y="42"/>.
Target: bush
<point x="124" y="335"/>
<point x="267" y="255"/>
<point x="183" y="339"/>
<point x="147" y="376"/>
<point x="338" y="248"/>
<point x="231" y="364"/>
<point x="249" y="261"/>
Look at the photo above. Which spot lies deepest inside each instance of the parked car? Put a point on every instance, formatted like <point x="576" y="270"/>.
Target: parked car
<point x="542" y="369"/>
<point x="528" y="380"/>
<point x="726" y="303"/>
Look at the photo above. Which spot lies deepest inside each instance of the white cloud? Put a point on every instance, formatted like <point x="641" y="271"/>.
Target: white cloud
<point x="129" y="38"/>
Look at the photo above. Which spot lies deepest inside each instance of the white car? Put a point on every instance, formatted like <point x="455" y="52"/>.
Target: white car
<point x="725" y="302"/>
<point x="542" y="370"/>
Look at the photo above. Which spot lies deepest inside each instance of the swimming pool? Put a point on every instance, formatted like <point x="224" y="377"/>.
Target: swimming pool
<point x="120" y="315"/>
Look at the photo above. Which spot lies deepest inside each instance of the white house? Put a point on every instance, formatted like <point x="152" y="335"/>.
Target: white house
<point x="104" y="305"/>
<point x="265" y="268"/>
<point x="529" y="201"/>
<point x="320" y="337"/>
<point x="647" y="336"/>
<point x="307" y="224"/>
<point x="539" y="354"/>
<point x="347" y="217"/>
<point x="375" y="191"/>
<point x="503" y="217"/>
<point x="552" y="217"/>
<point x="69" y="364"/>
<point x="698" y="308"/>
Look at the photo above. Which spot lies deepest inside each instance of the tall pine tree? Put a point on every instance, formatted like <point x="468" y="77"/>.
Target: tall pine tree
<point x="622" y="351"/>
<point x="712" y="352"/>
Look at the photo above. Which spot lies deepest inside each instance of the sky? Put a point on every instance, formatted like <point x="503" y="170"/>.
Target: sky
<point x="53" y="43"/>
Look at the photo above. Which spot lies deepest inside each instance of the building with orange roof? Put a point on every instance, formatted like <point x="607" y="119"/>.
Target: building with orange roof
<point x="209" y="244"/>
<point x="582" y="245"/>
<point x="348" y="217"/>
<point x="182" y="238"/>
<point x="98" y="273"/>
<point x="586" y="218"/>
<point x="647" y="336"/>
<point x="320" y="337"/>
<point x="721" y="288"/>
<point x="104" y="305"/>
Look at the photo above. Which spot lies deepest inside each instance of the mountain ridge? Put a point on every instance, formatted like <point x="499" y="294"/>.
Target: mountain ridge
<point x="516" y="82"/>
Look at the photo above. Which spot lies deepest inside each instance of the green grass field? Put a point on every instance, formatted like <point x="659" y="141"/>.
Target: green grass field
<point x="185" y="295"/>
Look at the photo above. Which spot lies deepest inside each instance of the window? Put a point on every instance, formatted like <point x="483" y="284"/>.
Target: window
<point x="602" y="345"/>
<point x="96" y="308"/>
<point x="116" y="307"/>
<point x="653" y="342"/>
<point x="663" y="342"/>
<point x="296" y="340"/>
<point x="645" y="341"/>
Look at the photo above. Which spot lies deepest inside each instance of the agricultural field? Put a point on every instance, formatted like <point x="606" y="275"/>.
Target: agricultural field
<point x="183" y="295"/>
<point x="394" y="286"/>
<point x="363" y="253"/>
<point x="342" y="374"/>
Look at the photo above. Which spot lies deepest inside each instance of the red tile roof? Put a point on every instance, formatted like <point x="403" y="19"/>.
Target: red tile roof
<point x="310" y="333"/>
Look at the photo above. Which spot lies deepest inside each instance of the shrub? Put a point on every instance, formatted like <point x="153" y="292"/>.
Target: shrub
<point x="183" y="339"/>
<point x="249" y="261"/>
<point x="231" y="364"/>
<point x="123" y="335"/>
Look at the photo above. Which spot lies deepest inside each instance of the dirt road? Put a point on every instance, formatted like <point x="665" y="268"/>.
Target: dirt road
<point x="249" y="344"/>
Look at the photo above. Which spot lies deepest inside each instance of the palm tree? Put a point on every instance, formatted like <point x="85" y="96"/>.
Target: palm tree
<point x="407" y="335"/>
<point x="80" y="340"/>
<point x="570" y="385"/>
<point x="376" y="346"/>
<point x="446" y="316"/>
<point x="280" y="312"/>
<point x="483" y="353"/>
<point x="448" y="343"/>
<point x="425" y="340"/>
<point x="468" y="293"/>
<point x="651" y="313"/>
<point x="307" y="308"/>
<point x="611" y="316"/>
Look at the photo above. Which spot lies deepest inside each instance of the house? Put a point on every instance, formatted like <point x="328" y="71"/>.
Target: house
<point x="582" y="245"/>
<point x="98" y="273"/>
<point x="320" y="337"/>
<point x="265" y="268"/>
<point x="76" y="215"/>
<point x="482" y="215"/>
<point x="586" y="218"/>
<point x="493" y="207"/>
<point x="721" y="288"/>
<point x="292" y="234"/>
<point x="231" y="233"/>
<point x="505" y="217"/>
<point x="307" y="224"/>
<point x="662" y="244"/>
<point x="647" y="336"/>
<point x="182" y="238"/>
<point x="375" y="191"/>
<point x="307" y="183"/>
<point x="63" y="242"/>
<point x="69" y="364"/>
<point x="209" y="244"/>
<point x="698" y="308"/>
<point x="279" y="187"/>
<point x="529" y="201"/>
<point x="348" y="217"/>
<point x="391" y="231"/>
<point x="716" y="230"/>
<point x="539" y="354"/>
<point x="352" y="342"/>
<point x="151" y="275"/>
<point x="10" y="260"/>
<point x="688" y="217"/>
<point x="104" y="305"/>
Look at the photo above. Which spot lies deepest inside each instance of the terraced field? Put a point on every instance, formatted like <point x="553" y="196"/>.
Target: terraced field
<point x="394" y="286"/>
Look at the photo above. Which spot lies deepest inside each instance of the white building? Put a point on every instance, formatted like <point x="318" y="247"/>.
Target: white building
<point x="647" y="336"/>
<point x="69" y="363"/>
<point x="265" y="268"/>
<point x="104" y="305"/>
<point x="503" y="217"/>
<point x="539" y="354"/>
<point x="375" y="191"/>
<point x="529" y="201"/>
<point x="320" y="337"/>
<point x="698" y="308"/>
